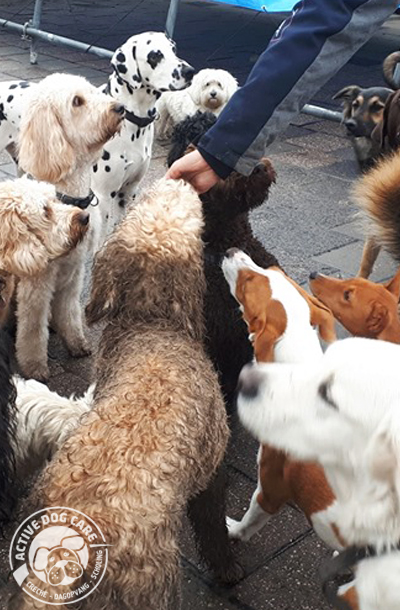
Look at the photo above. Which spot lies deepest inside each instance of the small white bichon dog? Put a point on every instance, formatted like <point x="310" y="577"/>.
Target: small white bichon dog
<point x="210" y="91"/>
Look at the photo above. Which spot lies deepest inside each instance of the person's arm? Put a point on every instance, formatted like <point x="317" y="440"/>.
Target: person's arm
<point x="306" y="51"/>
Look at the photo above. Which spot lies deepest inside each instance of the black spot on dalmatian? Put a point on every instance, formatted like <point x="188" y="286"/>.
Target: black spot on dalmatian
<point x="157" y="94"/>
<point x="95" y="167"/>
<point x="134" y="52"/>
<point x="10" y="98"/>
<point x="154" y="58"/>
<point x="121" y="156"/>
<point x="121" y="203"/>
<point x="120" y="81"/>
<point x="121" y="57"/>
<point x="138" y="133"/>
<point x="24" y="84"/>
<point x="175" y="74"/>
<point x="136" y="78"/>
<point x="2" y="115"/>
<point x="148" y="42"/>
<point x="107" y="168"/>
<point x="152" y="112"/>
<point x="14" y="86"/>
<point x="112" y="195"/>
<point x="105" y="156"/>
<point x="148" y="91"/>
<point x="120" y="195"/>
<point x="122" y="68"/>
<point x="133" y="137"/>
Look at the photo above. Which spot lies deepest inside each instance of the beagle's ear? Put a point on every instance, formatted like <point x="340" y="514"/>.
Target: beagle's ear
<point x="393" y="286"/>
<point x="322" y="317"/>
<point x="377" y="319"/>
<point x="267" y="331"/>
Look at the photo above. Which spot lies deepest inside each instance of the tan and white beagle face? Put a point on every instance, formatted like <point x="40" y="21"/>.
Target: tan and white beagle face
<point x="364" y="308"/>
<point x="279" y="313"/>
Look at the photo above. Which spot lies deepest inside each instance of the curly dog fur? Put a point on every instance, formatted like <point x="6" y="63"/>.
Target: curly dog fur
<point x="226" y="210"/>
<point x="158" y="429"/>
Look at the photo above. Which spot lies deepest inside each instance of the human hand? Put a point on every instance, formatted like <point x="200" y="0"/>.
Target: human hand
<point x="194" y="169"/>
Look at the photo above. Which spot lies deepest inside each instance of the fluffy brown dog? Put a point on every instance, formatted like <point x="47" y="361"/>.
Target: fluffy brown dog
<point x="158" y="429"/>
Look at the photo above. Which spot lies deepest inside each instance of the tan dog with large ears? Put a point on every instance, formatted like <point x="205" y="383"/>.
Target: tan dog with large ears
<point x="364" y="308"/>
<point x="281" y="316"/>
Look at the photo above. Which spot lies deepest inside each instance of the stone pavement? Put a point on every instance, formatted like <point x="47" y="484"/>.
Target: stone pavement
<point x="308" y="222"/>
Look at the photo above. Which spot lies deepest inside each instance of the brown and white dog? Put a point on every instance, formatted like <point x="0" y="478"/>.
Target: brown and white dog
<point x="280" y="317"/>
<point x="344" y="414"/>
<point x="364" y="308"/>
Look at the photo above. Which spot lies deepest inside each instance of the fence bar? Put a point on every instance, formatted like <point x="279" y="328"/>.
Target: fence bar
<point x="55" y="39"/>
<point x="322" y="113"/>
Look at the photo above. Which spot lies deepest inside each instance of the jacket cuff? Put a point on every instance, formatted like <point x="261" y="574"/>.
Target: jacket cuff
<point x="218" y="166"/>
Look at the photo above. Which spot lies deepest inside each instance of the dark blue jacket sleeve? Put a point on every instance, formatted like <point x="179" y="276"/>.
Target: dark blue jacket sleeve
<point x="306" y="51"/>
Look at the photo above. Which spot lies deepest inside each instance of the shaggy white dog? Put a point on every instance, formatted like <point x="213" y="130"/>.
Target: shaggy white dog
<point x="64" y="126"/>
<point x="210" y="91"/>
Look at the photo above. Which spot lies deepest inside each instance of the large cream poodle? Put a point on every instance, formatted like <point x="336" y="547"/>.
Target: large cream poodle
<point x="65" y="123"/>
<point x="157" y="430"/>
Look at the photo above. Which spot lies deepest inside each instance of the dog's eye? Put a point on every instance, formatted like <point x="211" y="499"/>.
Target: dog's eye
<point x="347" y="295"/>
<point x="355" y="104"/>
<point x="219" y="85"/>
<point x="376" y="107"/>
<point x="208" y="84"/>
<point x="47" y="212"/>
<point x="77" y="101"/>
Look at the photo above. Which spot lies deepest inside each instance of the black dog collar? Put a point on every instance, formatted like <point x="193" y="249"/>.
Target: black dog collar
<point x="335" y="566"/>
<point x="79" y="202"/>
<point x="139" y="120"/>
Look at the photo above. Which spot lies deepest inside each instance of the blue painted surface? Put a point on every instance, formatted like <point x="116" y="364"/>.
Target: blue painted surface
<point x="263" y="5"/>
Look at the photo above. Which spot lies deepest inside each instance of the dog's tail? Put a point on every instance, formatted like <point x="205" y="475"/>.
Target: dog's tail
<point x="390" y="74"/>
<point x="44" y="421"/>
<point x="378" y="196"/>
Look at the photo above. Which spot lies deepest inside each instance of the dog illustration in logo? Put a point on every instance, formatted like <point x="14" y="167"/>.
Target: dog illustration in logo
<point x="61" y="564"/>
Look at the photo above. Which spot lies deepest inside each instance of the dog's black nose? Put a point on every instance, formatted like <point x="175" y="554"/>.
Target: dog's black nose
<point x="313" y="275"/>
<point x="119" y="108"/>
<point x="351" y="125"/>
<point x="188" y="72"/>
<point x="213" y="94"/>
<point x="83" y="218"/>
<point x="230" y="253"/>
<point x="249" y="381"/>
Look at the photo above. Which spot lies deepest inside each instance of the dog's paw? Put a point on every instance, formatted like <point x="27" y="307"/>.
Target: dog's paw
<point x="235" y="530"/>
<point x="80" y="351"/>
<point x="230" y="574"/>
<point x="39" y="372"/>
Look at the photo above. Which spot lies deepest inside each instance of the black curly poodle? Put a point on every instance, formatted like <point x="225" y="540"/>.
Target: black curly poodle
<point x="226" y="210"/>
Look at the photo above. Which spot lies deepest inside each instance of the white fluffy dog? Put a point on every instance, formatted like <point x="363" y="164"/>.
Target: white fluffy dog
<point x="345" y="414"/>
<point x="64" y="126"/>
<point x="210" y="91"/>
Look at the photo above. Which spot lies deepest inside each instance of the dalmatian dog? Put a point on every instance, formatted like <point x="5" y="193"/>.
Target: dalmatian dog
<point x="13" y="97"/>
<point x="144" y="67"/>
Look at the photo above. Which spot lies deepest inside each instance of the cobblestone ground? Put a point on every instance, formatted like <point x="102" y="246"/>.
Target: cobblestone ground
<point x="308" y="223"/>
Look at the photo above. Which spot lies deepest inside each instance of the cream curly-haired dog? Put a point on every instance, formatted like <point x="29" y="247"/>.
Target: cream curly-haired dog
<point x="65" y="123"/>
<point x="210" y="91"/>
<point x="35" y="228"/>
<point x="157" y="431"/>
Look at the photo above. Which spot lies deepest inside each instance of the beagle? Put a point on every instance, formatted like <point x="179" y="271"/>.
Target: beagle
<point x="364" y="308"/>
<point x="281" y="316"/>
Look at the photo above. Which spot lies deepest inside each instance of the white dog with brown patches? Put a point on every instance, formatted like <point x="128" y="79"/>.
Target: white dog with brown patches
<point x="342" y="412"/>
<point x="281" y="317"/>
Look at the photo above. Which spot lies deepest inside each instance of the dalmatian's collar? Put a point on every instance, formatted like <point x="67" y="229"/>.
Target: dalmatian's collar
<point x="79" y="202"/>
<point x="139" y="120"/>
